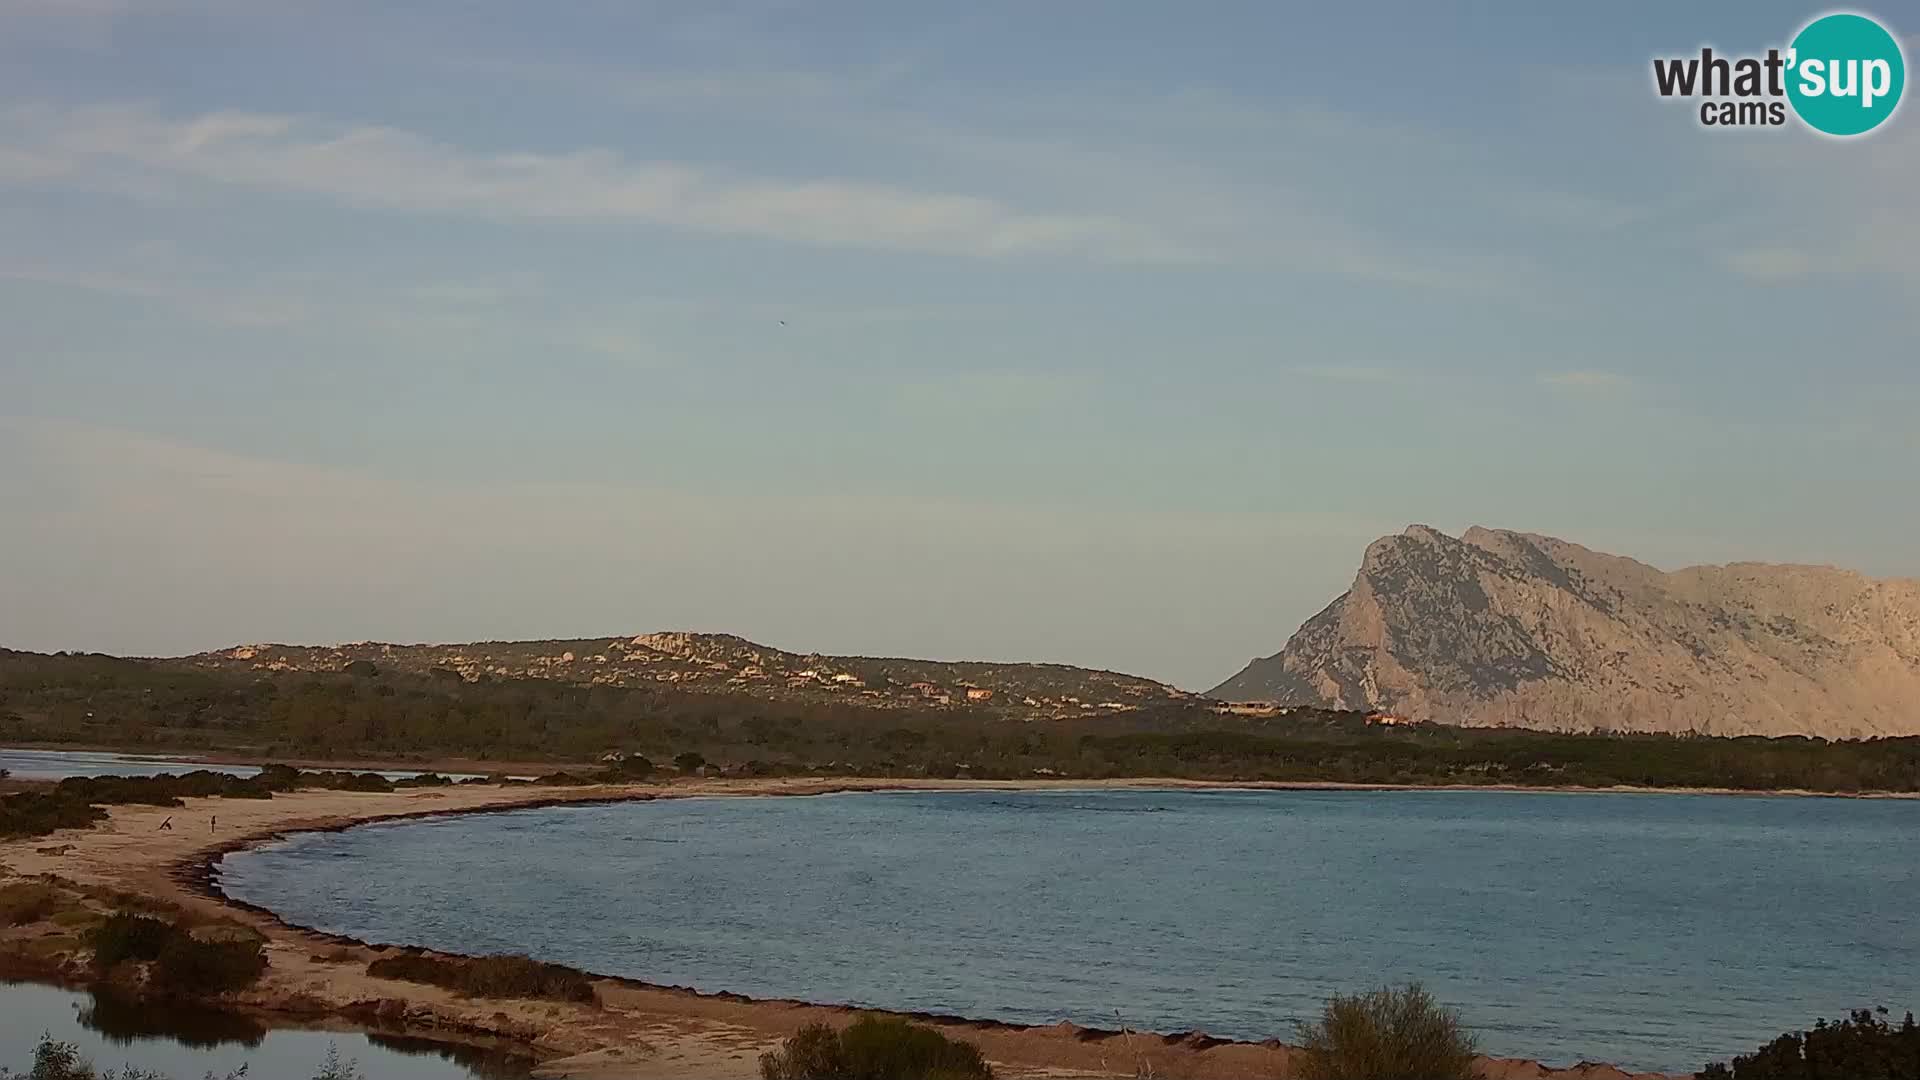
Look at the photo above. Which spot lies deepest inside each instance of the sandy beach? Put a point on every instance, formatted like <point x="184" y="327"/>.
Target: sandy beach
<point x="636" y="1030"/>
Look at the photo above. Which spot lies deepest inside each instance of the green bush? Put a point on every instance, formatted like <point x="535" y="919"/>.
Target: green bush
<point x="181" y="961"/>
<point x="125" y="936"/>
<point x="208" y="967"/>
<point x="1386" y="1034"/>
<point x="812" y="1053"/>
<point x="631" y="767"/>
<point x="874" y="1048"/>
<point x="34" y="813"/>
<point x="1862" y="1047"/>
<point x="277" y="777"/>
<point x="366" y="781"/>
<point x="488" y="976"/>
<point x="520" y="976"/>
<point x="565" y="779"/>
<point x="425" y="779"/>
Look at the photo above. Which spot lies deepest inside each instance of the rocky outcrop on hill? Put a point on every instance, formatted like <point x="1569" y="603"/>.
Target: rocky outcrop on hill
<point x="1507" y="628"/>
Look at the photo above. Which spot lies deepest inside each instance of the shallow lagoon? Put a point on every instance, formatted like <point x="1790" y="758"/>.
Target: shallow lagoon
<point x="186" y="1043"/>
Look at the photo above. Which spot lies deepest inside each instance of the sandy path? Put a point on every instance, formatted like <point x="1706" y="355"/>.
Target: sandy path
<point x="637" y="1031"/>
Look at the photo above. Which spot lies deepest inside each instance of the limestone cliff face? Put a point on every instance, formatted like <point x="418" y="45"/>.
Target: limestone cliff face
<point x="1505" y="628"/>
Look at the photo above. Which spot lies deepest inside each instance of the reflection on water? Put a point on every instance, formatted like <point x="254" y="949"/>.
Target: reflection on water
<point x="125" y="1022"/>
<point x="481" y="1062"/>
<point x="182" y="1041"/>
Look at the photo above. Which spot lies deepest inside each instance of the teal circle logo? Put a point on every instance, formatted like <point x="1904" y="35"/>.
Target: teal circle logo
<point x="1845" y="74"/>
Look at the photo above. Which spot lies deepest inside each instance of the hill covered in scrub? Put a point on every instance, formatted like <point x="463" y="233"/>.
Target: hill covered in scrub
<point x="1498" y="628"/>
<point x="393" y="715"/>
<point x="724" y="663"/>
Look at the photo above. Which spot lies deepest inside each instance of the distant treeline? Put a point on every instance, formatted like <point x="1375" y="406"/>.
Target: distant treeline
<point x="368" y="712"/>
<point x="79" y="801"/>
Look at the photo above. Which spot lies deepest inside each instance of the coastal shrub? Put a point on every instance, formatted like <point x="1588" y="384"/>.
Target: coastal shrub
<point x="35" y="813"/>
<point x="564" y="779"/>
<point x="1386" y="1034"/>
<point x="488" y="976"/>
<point x="520" y="976"/>
<point x="689" y="761"/>
<point x="874" y="1048"/>
<point x="191" y="965"/>
<point x="812" y="1053"/>
<point x="25" y="902"/>
<point x="1862" y="1047"/>
<point x="181" y="961"/>
<point x="277" y="777"/>
<point x="366" y="781"/>
<point x="425" y="779"/>
<point x="631" y="767"/>
<point x="125" y="936"/>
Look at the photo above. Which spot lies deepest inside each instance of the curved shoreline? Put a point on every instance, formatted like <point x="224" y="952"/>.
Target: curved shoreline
<point x="701" y="1034"/>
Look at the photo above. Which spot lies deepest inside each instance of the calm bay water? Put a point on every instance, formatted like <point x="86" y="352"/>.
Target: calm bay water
<point x="186" y="1043"/>
<point x="1657" y="931"/>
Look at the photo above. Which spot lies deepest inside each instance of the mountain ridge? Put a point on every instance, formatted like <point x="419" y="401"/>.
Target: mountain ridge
<point x="1498" y="627"/>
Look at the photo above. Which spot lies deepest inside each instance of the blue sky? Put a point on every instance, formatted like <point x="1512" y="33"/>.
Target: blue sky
<point x="1100" y="333"/>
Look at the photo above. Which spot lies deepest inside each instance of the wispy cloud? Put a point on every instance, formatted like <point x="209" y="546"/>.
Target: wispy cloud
<point x="219" y="307"/>
<point x="1832" y="208"/>
<point x="1772" y="263"/>
<point x="991" y="391"/>
<point x="91" y="25"/>
<point x="1589" y="381"/>
<point x="1349" y="373"/>
<point x="133" y="148"/>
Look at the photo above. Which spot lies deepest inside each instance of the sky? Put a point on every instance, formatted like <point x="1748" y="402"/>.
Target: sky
<point x="1099" y="333"/>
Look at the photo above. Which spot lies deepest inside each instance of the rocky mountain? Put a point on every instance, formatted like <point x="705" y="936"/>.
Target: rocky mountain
<point x="726" y="663"/>
<point x="1507" y="628"/>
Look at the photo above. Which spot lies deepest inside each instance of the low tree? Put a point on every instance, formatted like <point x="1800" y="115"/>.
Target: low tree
<point x="1861" y="1047"/>
<point x="1387" y="1034"/>
<point x="631" y="767"/>
<point x="874" y="1048"/>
